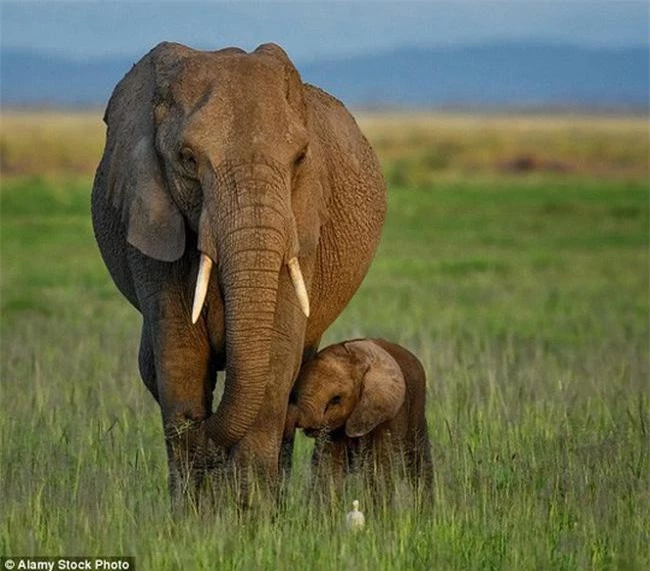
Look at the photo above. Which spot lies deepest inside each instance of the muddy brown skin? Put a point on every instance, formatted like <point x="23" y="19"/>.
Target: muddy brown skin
<point x="364" y="401"/>
<point x="229" y="154"/>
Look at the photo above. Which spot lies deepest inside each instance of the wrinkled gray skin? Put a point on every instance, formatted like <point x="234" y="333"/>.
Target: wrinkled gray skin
<point x="364" y="402"/>
<point x="230" y="154"/>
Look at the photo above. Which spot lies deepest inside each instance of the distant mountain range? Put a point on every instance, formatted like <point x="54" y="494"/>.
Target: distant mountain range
<point x="523" y="75"/>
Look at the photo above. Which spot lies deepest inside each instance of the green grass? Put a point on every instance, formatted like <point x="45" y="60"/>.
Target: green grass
<point x="526" y="299"/>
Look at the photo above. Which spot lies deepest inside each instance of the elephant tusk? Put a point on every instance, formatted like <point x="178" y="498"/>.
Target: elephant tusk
<point x="202" y="280"/>
<point x="299" y="285"/>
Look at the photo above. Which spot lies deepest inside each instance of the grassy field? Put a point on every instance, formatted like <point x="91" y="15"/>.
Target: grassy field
<point x="522" y="285"/>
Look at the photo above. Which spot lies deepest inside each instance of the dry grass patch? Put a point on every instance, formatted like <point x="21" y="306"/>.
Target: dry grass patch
<point x="415" y="148"/>
<point x="50" y="142"/>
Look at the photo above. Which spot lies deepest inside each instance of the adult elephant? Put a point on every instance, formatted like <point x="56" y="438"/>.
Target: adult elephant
<point x="238" y="209"/>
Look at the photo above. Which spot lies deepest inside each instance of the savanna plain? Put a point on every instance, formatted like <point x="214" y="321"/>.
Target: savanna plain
<point x="514" y="263"/>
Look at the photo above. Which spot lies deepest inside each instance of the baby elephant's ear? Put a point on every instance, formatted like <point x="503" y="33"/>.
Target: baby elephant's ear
<point x="383" y="389"/>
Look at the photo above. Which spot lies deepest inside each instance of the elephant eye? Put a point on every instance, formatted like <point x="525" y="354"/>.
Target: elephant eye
<point x="334" y="401"/>
<point x="188" y="160"/>
<point x="300" y="157"/>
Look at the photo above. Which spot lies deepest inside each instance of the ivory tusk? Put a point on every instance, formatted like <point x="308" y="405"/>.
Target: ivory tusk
<point x="299" y="285"/>
<point x="202" y="280"/>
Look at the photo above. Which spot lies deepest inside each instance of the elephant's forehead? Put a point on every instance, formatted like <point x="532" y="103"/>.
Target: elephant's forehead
<point x="244" y="101"/>
<point x="330" y="370"/>
<point x="247" y="78"/>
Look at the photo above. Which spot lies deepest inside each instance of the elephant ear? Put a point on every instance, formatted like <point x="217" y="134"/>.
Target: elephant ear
<point x="292" y="77"/>
<point x="135" y="184"/>
<point x="273" y="50"/>
<point x="383" y="388"/>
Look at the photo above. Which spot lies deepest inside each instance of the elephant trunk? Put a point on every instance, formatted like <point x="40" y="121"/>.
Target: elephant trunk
<point x="250" y="287"/>
<point x="253" y="245"/>
<point x="308" y="414"/>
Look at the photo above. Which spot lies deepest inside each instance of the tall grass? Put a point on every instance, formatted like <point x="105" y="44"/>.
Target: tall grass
<point x="526" y="298"/>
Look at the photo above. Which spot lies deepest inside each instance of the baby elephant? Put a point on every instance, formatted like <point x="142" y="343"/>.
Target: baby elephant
<point x="364" y="401"/>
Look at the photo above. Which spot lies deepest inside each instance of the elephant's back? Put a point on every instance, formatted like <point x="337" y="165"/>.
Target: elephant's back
<point x="339" y="133"/>
<point x="356" y="205"/>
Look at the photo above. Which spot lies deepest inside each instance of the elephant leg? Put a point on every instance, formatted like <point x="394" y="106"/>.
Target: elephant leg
<point x="256" y="457"/>
<point x="286" y="458"/>
<point x="330" y="462"/>
<point x="262" y="458"/>
<point x="146" y="363"/>
<point x="382" y="464"/>
<point x="184" y="381"/>
<point x="286" y="448"/>
<point x="421" y="471"/>
<point x="286" y="464"/>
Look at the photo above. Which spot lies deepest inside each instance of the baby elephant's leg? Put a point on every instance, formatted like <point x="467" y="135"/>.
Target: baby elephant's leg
<point x="381" y="461"/>
<point x="420" y="469"/>
<point x="329" y="466"/>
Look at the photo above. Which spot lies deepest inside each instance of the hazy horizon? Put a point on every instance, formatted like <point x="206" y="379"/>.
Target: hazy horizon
<point x="315" y="30"/>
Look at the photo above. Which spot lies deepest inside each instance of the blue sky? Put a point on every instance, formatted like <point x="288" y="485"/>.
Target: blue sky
<point x="314" y="30"/>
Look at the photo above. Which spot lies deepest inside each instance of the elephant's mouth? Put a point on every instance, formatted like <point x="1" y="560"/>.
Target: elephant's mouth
<point x="324" y="432"/>
<point x="313" y="432"/>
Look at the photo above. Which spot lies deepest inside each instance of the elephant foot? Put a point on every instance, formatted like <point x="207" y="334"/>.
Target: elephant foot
<point x="256" y="478"/>
<point x="196" y="465"/>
